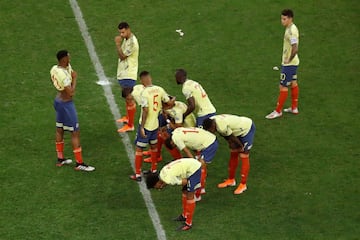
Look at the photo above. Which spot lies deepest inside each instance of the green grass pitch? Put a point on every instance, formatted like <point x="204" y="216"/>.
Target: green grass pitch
<point x="304" y="178"/>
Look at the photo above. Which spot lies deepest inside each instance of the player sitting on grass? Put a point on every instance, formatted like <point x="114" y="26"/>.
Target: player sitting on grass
<point x="64" y="80"/>
<point x="196" y="139"/>
<point x="239" y="132"/>
<point x="187" y="173"/>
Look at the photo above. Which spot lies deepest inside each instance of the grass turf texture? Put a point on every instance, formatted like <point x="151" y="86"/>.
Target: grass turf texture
<point x="230" y="48"/>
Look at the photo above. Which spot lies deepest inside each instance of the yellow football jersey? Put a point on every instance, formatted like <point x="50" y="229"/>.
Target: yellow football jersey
<point x="61" y="77"/>
<point x="203" y="105"/>
<point x="152" y="98"/>
<point x="136" y="93"/>
<point x="227" y="124"/>
<point x="173" y="172"/>
<point x="177" y="113"/>
<point x="128" y="68"/>
<point x="291" y="37"/>
<point x="193" y="138"/>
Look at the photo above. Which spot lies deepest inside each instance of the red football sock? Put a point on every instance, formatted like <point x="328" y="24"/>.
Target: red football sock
<point x="138" y="162"/>
<point x="154" y="159"/>
<point x="294" y="97"/>
<point x="60" y="149"/>
<point x="245" y="167"/>
<point x="190" y="208"/>
<point x="183" y="199"/>
<point x="203" y="176"/>
<point x="78" y="155"/>
<point x="175" y="153"/>
<point x="159" y="145"/>
<point x="233" y="163"/>
<point x="130" y="112"/>
<point x="281" y="101"/>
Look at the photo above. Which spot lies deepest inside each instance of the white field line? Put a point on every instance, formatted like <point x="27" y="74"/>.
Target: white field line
<point x="115" y="111"/>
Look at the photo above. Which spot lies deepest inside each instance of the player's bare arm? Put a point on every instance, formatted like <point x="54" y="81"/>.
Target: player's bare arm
<point x="184" y="181"/>
<point x="294" y="51"/>
<point x="118" y="41"/>
<point x="188" y="152"/>
<point x="234" y="143"/>
<point x="145" y="111"/>
<point x="190" y="106"/>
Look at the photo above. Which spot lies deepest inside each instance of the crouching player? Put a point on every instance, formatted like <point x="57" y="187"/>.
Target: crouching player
<point x="196" y="139"/>
<point x="239" y="132"/>
<point x="185" y="172"/>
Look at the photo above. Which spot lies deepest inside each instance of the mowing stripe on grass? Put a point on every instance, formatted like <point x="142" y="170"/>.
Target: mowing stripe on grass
<point x="115" y="111"/>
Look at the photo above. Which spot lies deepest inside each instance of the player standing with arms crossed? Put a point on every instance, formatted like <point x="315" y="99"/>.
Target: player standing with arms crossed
<point x="196" y="97"/>
<point x="127" y="47"/>
<point x="64" y="79"/>
<point x="151" y="104"/>
<point x="290" y="62"/>
<point x="239" y="132"/>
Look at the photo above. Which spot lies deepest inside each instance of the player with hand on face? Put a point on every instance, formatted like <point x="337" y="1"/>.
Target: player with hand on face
<point x="196" y="97"/>
<point x="151" y="104"/>
<point x="127" y="48"/>
<point x="197" y="139"/>
<point x="175" y="111"/>
<point x="290" y="62"/>
<point x="64" y="79"/>
<point x="239" y="132"/>
<point x="187" y="173"/>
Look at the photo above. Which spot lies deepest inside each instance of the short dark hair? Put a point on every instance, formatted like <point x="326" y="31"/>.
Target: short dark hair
<point x="144" y="74"/>
<point x="123" y="25"/>
<point x="151" y="180"/>
<point x="61" y="54"/>
<point x="288" y="13"/>
<point x="181" y="71"/>
<point x="208" y="123"/>
<point x="168" y="143"/>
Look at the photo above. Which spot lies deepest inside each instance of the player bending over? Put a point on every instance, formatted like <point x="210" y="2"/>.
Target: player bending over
<point x="151" y="101"/>
<point x="196" y="97"/>
<point x="196" y="139"/>
<point x="290" y="62"/>
<point x="187" y="173"/>
<point x="239" y="132"/>
<point x="64" y="79"/>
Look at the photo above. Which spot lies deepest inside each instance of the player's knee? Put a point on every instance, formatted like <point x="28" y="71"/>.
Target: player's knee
<point x="294" y="84"/>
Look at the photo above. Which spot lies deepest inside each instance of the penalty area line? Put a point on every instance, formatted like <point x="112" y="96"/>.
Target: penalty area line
<point x="116" y="114"/>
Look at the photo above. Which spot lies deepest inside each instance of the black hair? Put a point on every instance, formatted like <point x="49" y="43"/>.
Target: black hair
<point x="144" y="74"/>
<point x="181" y="71"/>
<point x="288" y="13"/>
<point x="61" y="54"/>
<point x="151" y="180"/>
<point x="208" y="123"/>
<point x="123" y="25"/>
<point x="168" y="143"/>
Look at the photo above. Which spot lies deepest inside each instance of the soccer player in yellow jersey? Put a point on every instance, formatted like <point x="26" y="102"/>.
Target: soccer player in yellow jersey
<point x="290" y="62"/>
<point x="239" y="132"/>
<point x="151" y="104"/>
<point x="175" y="111"/>
<point x="196" y="97"/>
<point x="187" y="173"/>
<point x="64" y="79"/>
<point x="197" y="139"/>
<point x="127" y="47"/>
